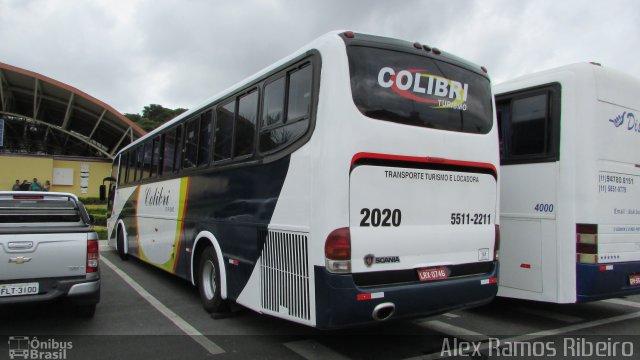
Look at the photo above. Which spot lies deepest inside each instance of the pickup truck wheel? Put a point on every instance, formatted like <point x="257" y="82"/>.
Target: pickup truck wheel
<point x="120" y="245"/>
<point x="209" y="282"/>
<point x="86" y="311"/>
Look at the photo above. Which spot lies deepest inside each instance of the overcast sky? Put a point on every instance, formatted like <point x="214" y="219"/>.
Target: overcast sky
<point x="132" y="53"/>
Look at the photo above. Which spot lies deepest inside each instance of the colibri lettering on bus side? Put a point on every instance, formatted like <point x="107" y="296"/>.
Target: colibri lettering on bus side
<point x="155" y="197"/>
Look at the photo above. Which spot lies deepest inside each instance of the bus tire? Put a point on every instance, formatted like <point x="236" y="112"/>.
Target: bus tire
<point x="209" y="284"/>
<point x="120" y="244"/>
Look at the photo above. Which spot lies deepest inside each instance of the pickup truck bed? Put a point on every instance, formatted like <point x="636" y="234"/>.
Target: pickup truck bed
<point x="48" y="250"/>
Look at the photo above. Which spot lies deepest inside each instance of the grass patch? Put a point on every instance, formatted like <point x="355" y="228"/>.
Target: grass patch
<point x="92" y="201"/>
<point x="96" y="209"/>
<point x="99" y="213"/>
<point x="101" y="231"/>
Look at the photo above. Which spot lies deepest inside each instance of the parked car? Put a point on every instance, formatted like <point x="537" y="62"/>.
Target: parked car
<point x="48" y="250"/>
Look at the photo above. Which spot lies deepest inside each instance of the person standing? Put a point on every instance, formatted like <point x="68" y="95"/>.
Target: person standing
<point x="35" y="185"/>
<point x="16" y="186"/>
<point x="47" y="186"/>
<point x="25" y="186"/>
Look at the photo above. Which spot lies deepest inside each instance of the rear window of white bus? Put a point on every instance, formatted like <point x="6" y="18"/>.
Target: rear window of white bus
<point x="417" y="90"/>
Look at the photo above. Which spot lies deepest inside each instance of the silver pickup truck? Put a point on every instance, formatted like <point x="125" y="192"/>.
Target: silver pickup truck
<point x="48" y="250"/>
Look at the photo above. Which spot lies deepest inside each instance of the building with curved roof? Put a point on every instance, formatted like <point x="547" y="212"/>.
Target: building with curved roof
<point x="52" y="131"/>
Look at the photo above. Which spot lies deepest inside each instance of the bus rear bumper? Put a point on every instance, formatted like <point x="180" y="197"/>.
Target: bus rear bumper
<point x="603" y="281"/>
<point x="341" y="303"/>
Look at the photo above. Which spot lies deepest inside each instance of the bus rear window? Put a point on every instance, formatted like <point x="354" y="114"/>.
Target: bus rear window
<point x="415" y="90"/>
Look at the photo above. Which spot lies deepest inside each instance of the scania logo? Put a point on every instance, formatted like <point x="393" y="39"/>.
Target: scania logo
<point x="368" y="260"/>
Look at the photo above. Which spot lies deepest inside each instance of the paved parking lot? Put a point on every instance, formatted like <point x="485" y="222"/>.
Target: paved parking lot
<point x="146" y="313"/>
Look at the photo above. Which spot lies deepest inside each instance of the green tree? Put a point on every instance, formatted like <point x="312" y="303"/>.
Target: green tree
<point x="153" y="116"/>
<point x="134" y="117"/>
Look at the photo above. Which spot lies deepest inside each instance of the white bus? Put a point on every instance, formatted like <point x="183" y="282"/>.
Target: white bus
<point x="570" y="187"/>
<point x="353" y="181"/>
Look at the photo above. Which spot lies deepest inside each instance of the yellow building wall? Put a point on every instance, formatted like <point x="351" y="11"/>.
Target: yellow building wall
<point x="14" y="168"/>
<point x="86" y="180"/>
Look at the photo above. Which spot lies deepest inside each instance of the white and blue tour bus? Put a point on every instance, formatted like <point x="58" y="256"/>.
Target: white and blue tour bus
<point x="351" y="182"/>
<point x="570" y="187"/>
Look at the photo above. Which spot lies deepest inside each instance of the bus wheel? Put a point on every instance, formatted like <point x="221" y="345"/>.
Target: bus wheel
<point x="209" y="282"/>
<point x="120" y="245"/>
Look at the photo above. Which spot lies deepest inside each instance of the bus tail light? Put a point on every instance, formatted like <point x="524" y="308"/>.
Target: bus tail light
<point x="93" y="253"/>
<point x="496" y="243"/>
<point x="587" y="243"/>
<point x="337" y="251"/>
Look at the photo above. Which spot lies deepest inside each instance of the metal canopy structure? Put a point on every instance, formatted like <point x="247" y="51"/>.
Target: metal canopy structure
<point x="44" y="116"/>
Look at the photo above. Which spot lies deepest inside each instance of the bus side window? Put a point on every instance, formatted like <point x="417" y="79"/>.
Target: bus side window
<point x="191" y="143"/>
<point x="223" y="136"/>
<point x="529" y="125"/>
<point x="246" y="124"/>
<point x="169" y="152"/>
<point x="502" y="111"/>
<point x="122" y="172"/>
<point x="206" y="125"/>
<point x="273" y="112"/>
<point x="139" y="156"/>
<point x="178" y="150"/>
<point x="131" y="172"/>
<point x="276" y="133"/>
<point x="146" y="167"/>
<point x="299" y="99"/>
<point x="155" y="160"/>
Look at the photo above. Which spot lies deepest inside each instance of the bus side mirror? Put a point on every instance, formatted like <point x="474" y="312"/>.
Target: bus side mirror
<point x="103" y="192"/>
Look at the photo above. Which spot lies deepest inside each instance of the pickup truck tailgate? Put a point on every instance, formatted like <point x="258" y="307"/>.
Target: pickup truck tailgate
<point x="29" y="256"/>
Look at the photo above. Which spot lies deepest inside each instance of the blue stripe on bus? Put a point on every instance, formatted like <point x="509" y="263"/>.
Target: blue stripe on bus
<point x="595" y="284"/>
<point x="337" y="303"/>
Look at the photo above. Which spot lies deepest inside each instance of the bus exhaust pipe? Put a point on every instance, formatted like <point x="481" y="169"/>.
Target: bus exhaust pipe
<point x="383" y="311"/>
